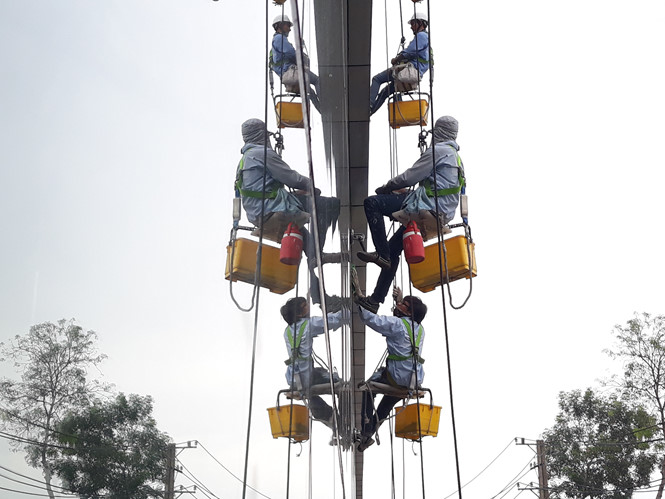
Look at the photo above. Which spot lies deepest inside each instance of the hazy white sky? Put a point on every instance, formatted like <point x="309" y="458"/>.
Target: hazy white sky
<point x="119" y="138"/>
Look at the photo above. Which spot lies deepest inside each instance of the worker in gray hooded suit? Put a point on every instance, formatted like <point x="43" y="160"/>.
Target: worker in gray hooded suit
<point x="258" y="158"/>
<point x="440" y="161"/>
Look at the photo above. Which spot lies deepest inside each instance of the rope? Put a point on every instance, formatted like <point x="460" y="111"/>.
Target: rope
<point x="443" y="296"/>
<point x="304" y="84"/>
<point x="415" y="372"/>
<point x="257" y="275"/>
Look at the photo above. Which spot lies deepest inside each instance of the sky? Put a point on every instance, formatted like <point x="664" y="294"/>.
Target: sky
<point x="119" y="132"/>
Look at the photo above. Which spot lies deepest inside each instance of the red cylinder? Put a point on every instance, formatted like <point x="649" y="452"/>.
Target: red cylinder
<point x="291" y="249"/>
<point x="412" y="241"/>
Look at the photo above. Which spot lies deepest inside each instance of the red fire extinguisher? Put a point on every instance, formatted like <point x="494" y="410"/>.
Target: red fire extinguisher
<point x="289" y="253"/>
<point x="412" y="241"/>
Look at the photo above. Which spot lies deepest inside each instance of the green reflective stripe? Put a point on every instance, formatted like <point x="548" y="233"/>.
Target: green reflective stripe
<point x="427" y="183"/>
<point x="423" y="61"/>
<point x="415" y="345"/>
<point x="295" y="348"/>
<point x="270" y="194"/>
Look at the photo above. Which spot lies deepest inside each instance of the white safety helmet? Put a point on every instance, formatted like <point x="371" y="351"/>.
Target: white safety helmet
<point x="419" y="16"/>
<point x="282" y="18"/>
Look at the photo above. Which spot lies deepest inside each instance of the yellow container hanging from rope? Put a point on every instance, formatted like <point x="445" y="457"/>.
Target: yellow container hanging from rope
<point x="280" y="417"/>
<point x="407" y="112"/>
<point x="406" y="421"/>
<point x="275" y="276"/>
<point x="425" y="275"/>
<point x="289" y="114"/>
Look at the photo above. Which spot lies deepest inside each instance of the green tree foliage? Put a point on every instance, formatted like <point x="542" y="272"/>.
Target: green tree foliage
<point x="599" y="447"/>
<point x="52" y="361"/>
<point x="116" y="450"/>
<point x="641" y="348"/>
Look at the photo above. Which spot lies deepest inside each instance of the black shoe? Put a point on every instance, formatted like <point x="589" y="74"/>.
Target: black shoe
<point x="374" y="257"/>
<point x="367" y="303"/>
<point x="364" y="443"/>
<point x="334" y="304"/>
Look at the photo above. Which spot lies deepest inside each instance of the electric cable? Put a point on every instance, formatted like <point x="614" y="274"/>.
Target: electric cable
<point x="229" y="471"/>
<point x="485" y="468"/>
<point x="33" y="485"/>
<point x="511" y="483"/>
<point x="204" y="490"/>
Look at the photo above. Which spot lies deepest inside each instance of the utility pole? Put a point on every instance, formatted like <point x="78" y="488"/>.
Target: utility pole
<point x="541" y="464"/>
<point x="542" y="470"/>
<point x="169" y="475"/>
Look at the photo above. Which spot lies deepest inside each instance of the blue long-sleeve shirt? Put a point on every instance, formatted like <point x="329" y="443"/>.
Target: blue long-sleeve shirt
<point x="283" y="54"/>
<point x="398" y="343"/>
<point x="447" y="174"/>
<point x="313" y="327"/>
<point x="418" y="52"/>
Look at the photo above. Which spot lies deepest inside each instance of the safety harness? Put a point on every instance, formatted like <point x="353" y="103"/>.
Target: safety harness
<point x="295" y="345"/>
<point x="269" y="194"/>
<point x="427" y="183"/>
<point x="415" y="344"/>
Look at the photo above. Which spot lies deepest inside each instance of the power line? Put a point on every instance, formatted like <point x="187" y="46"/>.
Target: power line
<point x="229" y="471"/>
<point x="484" y="469"/>
<point x="198" y="482"/>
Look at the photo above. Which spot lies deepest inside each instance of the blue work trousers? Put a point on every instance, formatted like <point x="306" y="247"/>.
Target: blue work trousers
<point x="376" y="98"/>
<point x="377" y="207"/>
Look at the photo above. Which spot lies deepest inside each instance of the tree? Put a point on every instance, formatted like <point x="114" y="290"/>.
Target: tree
<point x="116" y="450"/>
<point x="52" y="360"/>
<point x="641" y="346"/>
<point x="599" y="446"/>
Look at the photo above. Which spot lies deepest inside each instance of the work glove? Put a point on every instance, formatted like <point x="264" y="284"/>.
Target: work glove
<point x="383" y="190"/>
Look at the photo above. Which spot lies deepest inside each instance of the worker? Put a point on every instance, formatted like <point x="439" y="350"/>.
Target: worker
<point x="258" y="159"/>
<point x="392" y="197"/>
<point x="283" y="59"/>
<point x="299" y="337"/>
<point x="417" y="53"/>
<point x="404" y="336"/>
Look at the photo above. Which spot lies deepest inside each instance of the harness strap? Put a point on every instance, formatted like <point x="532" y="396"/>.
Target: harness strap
<point x="270" y="194"/>
<point x="295" y="348"/>
<point x="427" y="183"/>
<point x="415" y="345"/>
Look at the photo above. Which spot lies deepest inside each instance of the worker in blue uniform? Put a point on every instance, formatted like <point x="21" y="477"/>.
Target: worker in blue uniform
<point x="417" y="53"/>
<point x="283" y="56"/>
<point x="259" y="158"/>
<point x="404" y="336"/>
<point x="392" y="197"/>
<point x="299" y="337"/>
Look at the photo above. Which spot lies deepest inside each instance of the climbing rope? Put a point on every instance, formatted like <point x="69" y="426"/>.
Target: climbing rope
<point x="443" y="296"/>
<point x="257" y="275"/>
<point x="304" y="85"/>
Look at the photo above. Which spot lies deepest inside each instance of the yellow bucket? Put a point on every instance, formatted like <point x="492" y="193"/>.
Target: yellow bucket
<point x="406" y="421"/>
<point x="280" y="418"/>
<point x="425" y="275"/>
<point x="407" y="112"/>
<point x="275" y="276"/>
<point x="289" y="115"/>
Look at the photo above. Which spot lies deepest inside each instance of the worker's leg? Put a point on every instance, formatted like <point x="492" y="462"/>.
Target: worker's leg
<point x="376" y="207"/>
<point x="385" y="406"/>
<point x="327" y="209"/>
<point x="377" y="81"/>
<point x="386" y="276"/>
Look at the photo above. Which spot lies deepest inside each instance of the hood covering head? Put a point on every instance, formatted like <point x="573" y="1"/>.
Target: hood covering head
<point x="254" y="131"/>
<point x="445" y="129"/>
